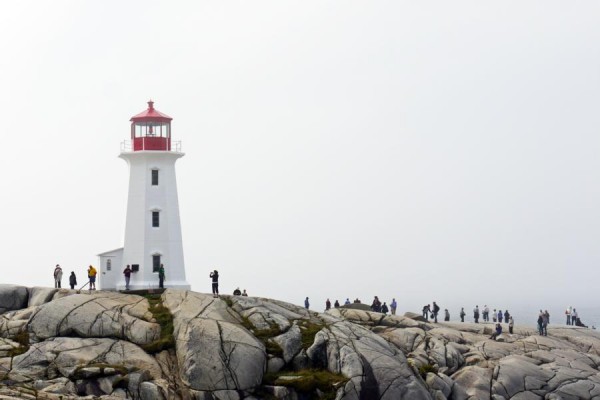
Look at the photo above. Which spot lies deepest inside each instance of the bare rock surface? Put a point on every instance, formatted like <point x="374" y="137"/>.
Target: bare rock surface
<point x="57" y="343"/>
<point x="101" y="314"/>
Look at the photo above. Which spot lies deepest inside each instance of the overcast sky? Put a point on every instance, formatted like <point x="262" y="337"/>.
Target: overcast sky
<point x="419" y="150"/>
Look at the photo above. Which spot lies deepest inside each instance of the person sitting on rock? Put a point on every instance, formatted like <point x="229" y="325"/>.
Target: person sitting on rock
<point x="498" y="331"/>
<point x="237" y="292"/>
<point x="347" y="301"/>
<point x="244" y="293"/>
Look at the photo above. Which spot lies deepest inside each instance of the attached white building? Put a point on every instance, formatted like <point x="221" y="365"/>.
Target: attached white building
<point x="153" y="227"/>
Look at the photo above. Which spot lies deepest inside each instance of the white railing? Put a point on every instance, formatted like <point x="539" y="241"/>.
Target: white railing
<point x="127" y="146"/>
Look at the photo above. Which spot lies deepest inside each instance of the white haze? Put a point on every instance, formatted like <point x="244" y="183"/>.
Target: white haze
<point x="425" y="151"/>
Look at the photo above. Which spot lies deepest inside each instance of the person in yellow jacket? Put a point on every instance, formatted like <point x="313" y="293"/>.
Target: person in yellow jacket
<point x="92" y="275"/>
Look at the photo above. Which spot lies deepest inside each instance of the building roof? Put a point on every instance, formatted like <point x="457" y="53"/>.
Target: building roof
<point x="151" y="114"/>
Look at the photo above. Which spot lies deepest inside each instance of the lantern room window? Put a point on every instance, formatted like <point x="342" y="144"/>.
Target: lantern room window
<point x="151" y="129"/>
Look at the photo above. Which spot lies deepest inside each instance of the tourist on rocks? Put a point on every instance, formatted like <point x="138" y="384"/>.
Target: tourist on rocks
<point x="384" y="308"/>
<point x="568" y="312"/>
<point x="495" y="316"/>
<point x="393" y="306"/>
<point x="446" y="315"/>
<point x="161" y="277"/>
<point x="347" y="301"/>
<point x="215" y="282"/>
<point x="237" y="292"/>
<point x="376" y="305"/>
<point x="500" y="316"/>
<point x="476" y="314"/>
<point x="92" y="277"/>
<point x="327" y="305"/>
<point x="426" y="311"/>
<point x="574" y="317"/>
<point x="462" y="314"/>
<point x="498" y="331"/>
<point x="435" y="311"/>
<point x="306" y="303"/>
<point x="540" y="322"/>
<point x="506" y="315"/>
<point x="57" y="276"/>
<point x="127" y="274"/>
<point x="511" y="324"/>
<point x="244" y="293"/>
<point x="486" y="313"/>
<point x="72" y="280"/>
<point x="545" y="321"/>
<point x="336" y="304"/>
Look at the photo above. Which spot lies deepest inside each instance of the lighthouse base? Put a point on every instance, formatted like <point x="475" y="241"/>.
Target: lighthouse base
<point x="147" y="285"/>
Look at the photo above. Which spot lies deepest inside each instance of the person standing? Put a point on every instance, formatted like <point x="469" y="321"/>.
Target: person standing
<point x="511" y="323"/>
<point x="327" y="305"/>
<point x="435" y="311"/>
<point x="57" y="276"/>
<point x="215" y="283"/>
<point x="393" y="306"/>
<point x="127" y="274"/>
<point x="92" y="277"/>
<point x="506" y="315"/>
<point x="500" y="316"/>
<point x="446" y="315"/>
<point x="568" y="312"/>
<point x="72" y="280"/>
<point x="336" y="304"/>
<point x="462" y="314"/>
<point x="161" y="277"/>
<point x="476" y="314"/>
<point x="306" y="303"/>
<point x="486" y="313"/>
<point x="574" y="317"/>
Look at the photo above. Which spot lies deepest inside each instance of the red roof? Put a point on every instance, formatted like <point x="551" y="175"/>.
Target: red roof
<point x="151" y="115"/>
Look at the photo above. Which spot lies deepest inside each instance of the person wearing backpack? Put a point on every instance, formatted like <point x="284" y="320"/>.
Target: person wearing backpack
<point x="462" y="314"/>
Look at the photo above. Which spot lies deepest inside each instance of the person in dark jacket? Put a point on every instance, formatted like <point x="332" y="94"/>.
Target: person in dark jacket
<point x="72" y="280"/>
<point x="498" y="331"/>
<point x="215" y="283"/>
<point x="161" y="276"/>
<point x="384" y="308"/>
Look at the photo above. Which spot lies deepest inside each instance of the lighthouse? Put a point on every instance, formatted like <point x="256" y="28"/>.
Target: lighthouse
<point x="152" y="225"/>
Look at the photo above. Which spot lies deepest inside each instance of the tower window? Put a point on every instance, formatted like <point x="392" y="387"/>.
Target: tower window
<point x="155" y="219"/>
<point x="154" y="177"/>
<point x="155" y="262"/>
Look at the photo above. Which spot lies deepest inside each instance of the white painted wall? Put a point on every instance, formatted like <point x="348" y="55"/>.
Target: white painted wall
<point x="141" y="239"/>
<point x="108" y="279"/>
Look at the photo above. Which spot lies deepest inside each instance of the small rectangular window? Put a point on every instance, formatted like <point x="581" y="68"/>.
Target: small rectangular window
<point x="155" y="262"/>
<point x="135" y="267"/>
<point x="155" y="219"/>
<point x="154" y="177"/>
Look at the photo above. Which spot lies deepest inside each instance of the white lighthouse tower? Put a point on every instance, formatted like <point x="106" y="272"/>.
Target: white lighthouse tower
<point x="153" y="227"/>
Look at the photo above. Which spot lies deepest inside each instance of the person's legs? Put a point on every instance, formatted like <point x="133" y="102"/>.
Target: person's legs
<point x="127" y="282"/>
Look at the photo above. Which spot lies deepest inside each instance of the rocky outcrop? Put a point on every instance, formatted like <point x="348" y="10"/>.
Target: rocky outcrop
<point x="60" y="344"/>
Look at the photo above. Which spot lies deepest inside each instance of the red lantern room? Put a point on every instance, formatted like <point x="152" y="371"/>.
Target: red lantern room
<point x="151" y="130"/>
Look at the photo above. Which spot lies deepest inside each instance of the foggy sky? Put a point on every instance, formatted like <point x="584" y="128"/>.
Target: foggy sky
<point x="423" y="151"/>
